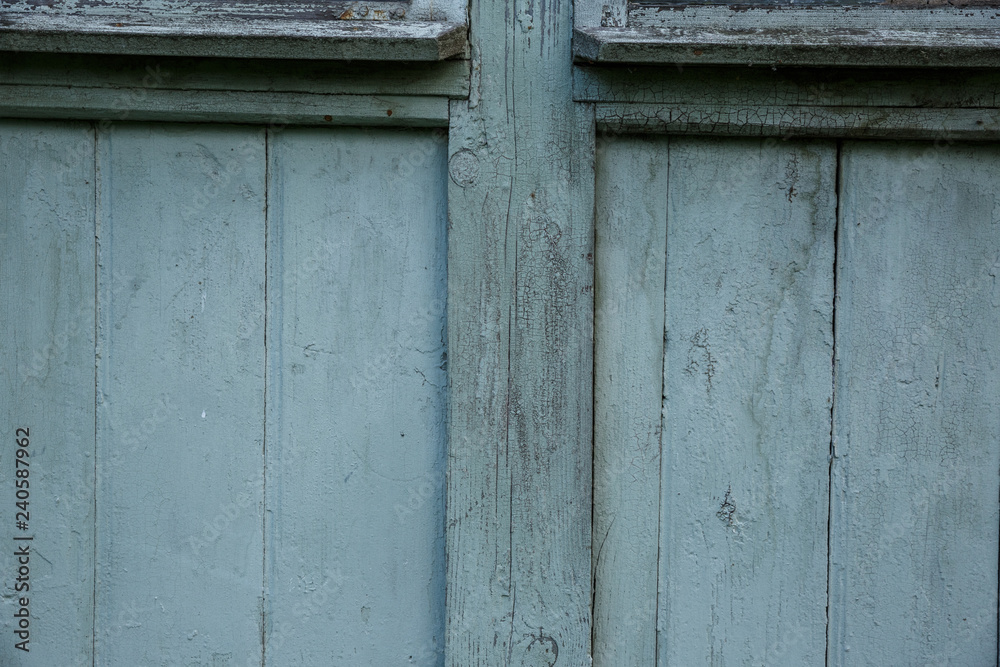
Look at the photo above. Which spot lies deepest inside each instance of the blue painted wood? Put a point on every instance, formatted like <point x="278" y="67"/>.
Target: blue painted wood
<point x="739" y="505"/>
<point x="356" y="401"/>
<point x="47" y="338"/>
<point x="180" y="403"/>
<point x="520" y="320"/>
<point x="747" y="397"/>
<point x="630" y="269"/>
<point x="914" y="527"/>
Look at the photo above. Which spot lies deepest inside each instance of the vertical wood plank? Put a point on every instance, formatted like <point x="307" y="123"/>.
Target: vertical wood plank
<point x="356" y="397"/>
<point x="47" y="333"/>
<point x="180" y="395"/>
<point x="915" y="522"/>
<point x="520" y="315"/>
<point x="748" y="393"/>
<point x="630" y="254"/>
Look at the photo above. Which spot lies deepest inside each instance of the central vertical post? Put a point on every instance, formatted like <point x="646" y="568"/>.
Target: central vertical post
<point x="520" y="322"/>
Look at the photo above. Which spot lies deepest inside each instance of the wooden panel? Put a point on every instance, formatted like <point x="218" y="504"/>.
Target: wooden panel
<point x="180" y="395"/>
<point x="628" y="366"/>
<point x="749" y="299"/>
<point x="448" y="78"/>
<point x="520" y="328"/>
<point x="356" y="397"/>
<point x="47" y="334"/>
<point x="258" y="13"/>
<point x="190" y="33"/>
<point x="822" y="36"/>
<point x="802" y="121"/>
<point x="140" y="104"/>
<point x="674" y="87"/>
<point x="914" y="528"/>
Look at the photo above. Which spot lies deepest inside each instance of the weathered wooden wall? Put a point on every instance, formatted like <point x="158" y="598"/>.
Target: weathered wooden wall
<point x="247" y="355"/>
<point x="264" y="310"/>
<point x="914" y="529"/>
<point x="782" y="425"/>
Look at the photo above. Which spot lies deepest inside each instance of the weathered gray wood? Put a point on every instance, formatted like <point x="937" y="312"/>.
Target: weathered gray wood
<point x="743" y="17"/>
<point x="184" y="34"/>
<point x="914" y="526"/>
<point x="47" y="337"/>
<point x="520" y="305"/>
<point x="180" y="395"/>
<point x="599" y="12"/>
<point x="845" y="37"/>
<point x="129" y="75"/>
<point x="141" y="104"/>
<point x="801" y="121"/>
<point x="630" y="252"/>
<point x="786" y="87"/>
<point x="317" y="11"/>
<point x="356" y="398"/>
<point x="747" y="398"/>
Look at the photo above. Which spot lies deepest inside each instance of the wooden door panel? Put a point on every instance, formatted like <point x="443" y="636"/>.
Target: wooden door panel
<point x="742" y="475"/>
<point x="180" y="411"/>
<point x="783" y="489"/>
<point x="914" y="527"/>
<point x="746" y="413"/>
<point x="220" y="324"/>
<point x="356" y="397"/>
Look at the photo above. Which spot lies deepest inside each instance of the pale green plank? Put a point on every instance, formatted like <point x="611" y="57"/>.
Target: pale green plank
<point x="180" y="395"/>
<point x="788" y="121"/>
<point x="915" y="521"/>
<point x="520" y="275"/>
<point x="748" y="391"/>
<point x="47" y="337"/>
<point x="630" y="252"/>
<point x="261" y="107"/>
<point x="356" y="398"/>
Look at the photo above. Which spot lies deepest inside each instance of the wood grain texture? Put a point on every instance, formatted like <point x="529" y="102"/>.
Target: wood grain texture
<point x="789" y="121"/>
<point x="630" y="255"/>
<point x="747" y="399"/>
<point x="47" y="334"/>
<point x="587" y="13"/>
<point x="260" y="11"/>
<point x="180" y="395"/>
<point x="860" y="37"/>
<point x="186" y="34"/>
<point x="520" y="311"/>
<point x="356" y="402"/>
<point x="263" y="108"/>
<point x="766" y="19"/>
<point x="914" y="527"/>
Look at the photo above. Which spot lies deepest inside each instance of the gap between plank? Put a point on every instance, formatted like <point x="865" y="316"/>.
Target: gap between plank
<point x="833" y="395"/>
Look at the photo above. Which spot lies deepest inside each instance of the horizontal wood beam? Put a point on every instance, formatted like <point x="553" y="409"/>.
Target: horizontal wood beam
<point x="787" y="86"/>
<point x="142" y="104"/>
<point x="844" y="37"/>
<point x="449" y="78"/>
<point x="231" y="36"/>
<point x="800" y="121"/>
